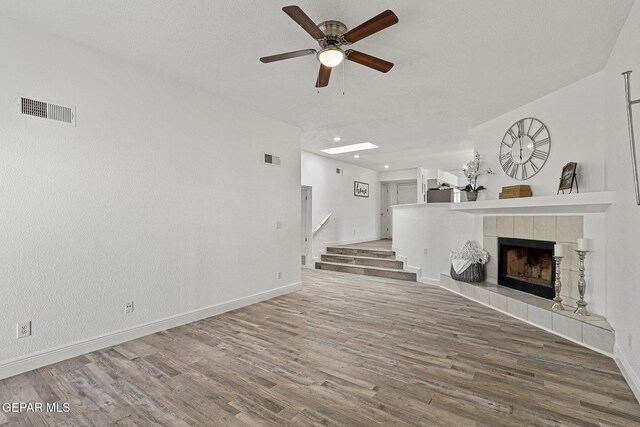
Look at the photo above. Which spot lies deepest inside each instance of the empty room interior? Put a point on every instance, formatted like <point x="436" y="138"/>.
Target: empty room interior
<point x="328" y="213"/>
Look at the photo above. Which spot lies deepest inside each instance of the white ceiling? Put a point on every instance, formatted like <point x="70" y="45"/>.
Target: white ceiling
<point x="457" y="62"/>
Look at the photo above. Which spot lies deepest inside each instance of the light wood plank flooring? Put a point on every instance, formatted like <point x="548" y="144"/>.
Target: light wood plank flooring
<point x="345" y="350"/>
<point x="374" y="244"/>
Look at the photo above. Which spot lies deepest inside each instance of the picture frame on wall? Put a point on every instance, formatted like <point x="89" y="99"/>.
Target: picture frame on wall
<point x="360" y="189"/>
<point x="568" y="178"/>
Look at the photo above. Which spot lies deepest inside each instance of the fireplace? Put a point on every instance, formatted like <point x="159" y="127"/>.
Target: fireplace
<point x="527" y="265"/>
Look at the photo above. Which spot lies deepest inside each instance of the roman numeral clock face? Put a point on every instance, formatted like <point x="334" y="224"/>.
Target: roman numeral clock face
<point x="525" y="148"/>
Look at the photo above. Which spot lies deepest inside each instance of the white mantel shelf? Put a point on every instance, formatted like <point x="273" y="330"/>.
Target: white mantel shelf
<point x="594" y="202"/>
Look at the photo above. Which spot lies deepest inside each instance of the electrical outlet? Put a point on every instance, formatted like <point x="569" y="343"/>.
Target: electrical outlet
<point x="278" y="225"/>
<point x="279" y="275"/>
<point x="425" y="251"/>
<point x="23" y="330"/>
<point x="128" y="307"/>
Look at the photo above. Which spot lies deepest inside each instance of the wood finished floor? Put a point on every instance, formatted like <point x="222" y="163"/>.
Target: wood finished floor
<point x="374" y="244"/>
<point x="345" y="350"/>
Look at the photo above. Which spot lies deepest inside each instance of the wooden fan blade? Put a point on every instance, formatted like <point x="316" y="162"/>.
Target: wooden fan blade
<point x="372" y="26"/>
<point x="323" y="76"/>
<point x="287" y="55"/>
<point x="304" y="21"/>
<point x="369" y="61"/>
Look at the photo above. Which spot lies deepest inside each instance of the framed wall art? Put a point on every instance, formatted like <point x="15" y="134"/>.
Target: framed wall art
<point x="360" y="189"/>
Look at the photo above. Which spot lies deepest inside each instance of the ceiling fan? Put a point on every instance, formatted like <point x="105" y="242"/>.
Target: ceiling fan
<point x="332" y="36"/>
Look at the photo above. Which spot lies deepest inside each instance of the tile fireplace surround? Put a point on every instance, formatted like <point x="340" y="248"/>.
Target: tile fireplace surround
<point x="593" y="331"/>
<point x="565" y="230"/>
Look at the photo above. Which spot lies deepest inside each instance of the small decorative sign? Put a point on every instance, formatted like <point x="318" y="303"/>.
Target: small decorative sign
<point x="568" y="178"/>
<point x="360" y="189"/>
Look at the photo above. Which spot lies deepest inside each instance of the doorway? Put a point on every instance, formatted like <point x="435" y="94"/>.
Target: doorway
<point x="305" y="242"/>
<point x="394" y="193"/>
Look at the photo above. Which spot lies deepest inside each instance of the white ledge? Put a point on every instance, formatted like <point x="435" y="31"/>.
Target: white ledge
<point x="594" y="202"/>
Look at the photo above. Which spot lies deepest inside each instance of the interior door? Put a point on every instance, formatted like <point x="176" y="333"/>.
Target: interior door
<point x="385" y="212"/>
<point x="407" y="193"/>
<point x="305" y="222"/>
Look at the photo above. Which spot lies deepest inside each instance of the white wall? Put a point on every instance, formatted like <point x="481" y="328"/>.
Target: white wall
<point x="623" y="218"/>
<point x="353" y="219"/>
<point x="574" y="118"/>
<point x="398" y="175"/>
<point x="159" y="196"/>
<point x="426" y="233"/>
<point x="449" y="178"/>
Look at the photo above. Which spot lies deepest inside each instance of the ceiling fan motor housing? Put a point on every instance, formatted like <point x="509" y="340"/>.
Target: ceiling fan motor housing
<point x="333" y="31"/>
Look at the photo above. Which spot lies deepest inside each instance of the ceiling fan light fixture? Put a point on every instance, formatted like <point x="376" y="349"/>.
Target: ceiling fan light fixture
<point x="331" y="56"/>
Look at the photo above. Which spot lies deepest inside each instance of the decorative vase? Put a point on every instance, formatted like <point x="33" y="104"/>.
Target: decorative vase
<point x="472" y="196"/>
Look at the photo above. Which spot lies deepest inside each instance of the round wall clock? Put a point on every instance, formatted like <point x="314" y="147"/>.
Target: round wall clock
<point x="525" y="148"/>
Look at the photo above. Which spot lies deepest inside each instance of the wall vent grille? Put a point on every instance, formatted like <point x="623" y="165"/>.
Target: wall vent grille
<point x="270" y="159"/>
<point x="34" y="108"/>
<point x="45" y="110"/>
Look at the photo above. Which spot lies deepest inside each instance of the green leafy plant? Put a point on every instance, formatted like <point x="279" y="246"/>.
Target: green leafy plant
<point x="468" y="187"/>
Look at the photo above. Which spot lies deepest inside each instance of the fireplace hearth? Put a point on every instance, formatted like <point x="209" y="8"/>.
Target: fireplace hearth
<point x="527" y="265"/>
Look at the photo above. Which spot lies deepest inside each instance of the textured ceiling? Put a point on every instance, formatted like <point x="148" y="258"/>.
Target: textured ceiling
<point x="457" y="62"/>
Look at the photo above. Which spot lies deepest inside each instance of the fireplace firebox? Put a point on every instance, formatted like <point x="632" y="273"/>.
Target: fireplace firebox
<point x="527" y="265"/>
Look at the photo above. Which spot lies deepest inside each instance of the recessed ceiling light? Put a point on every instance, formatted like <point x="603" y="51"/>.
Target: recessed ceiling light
<point x="357" y="156"/>
<point x="349" y="148"/>
<point x="386" y="166"/>
<point x="336" y="138"/>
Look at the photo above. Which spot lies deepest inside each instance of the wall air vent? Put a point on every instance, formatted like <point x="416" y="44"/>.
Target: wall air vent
<point x="270" y="159"/>
<point x="46" y="110"/>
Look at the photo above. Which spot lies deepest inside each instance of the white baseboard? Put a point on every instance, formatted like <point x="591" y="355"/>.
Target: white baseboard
<point x="412" y="268"/>
<point x="47" y="357"/>
<point x="632" y="377"/>
<point x="429" y="281"/>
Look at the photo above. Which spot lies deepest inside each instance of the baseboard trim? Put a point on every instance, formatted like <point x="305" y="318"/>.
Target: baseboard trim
<point x="631" y="376"/>
<point x="411" y="268"/>
<point x="429" y="281"/>
<point x="58" y="354"/>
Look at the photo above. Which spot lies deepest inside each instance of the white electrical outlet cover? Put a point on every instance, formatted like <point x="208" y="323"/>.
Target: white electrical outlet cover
<point x="23" y="330"/>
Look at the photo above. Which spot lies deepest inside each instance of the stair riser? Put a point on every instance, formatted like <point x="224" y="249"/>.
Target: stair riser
<point x="362" y="252"/>
<point x="397" y="275"/>
<point x="381" y="262"/>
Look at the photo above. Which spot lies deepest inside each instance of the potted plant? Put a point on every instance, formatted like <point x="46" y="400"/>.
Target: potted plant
<point x="472" y="172"/>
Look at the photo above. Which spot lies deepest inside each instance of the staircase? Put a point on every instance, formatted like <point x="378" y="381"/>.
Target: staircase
<point x="365" y="261"/>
